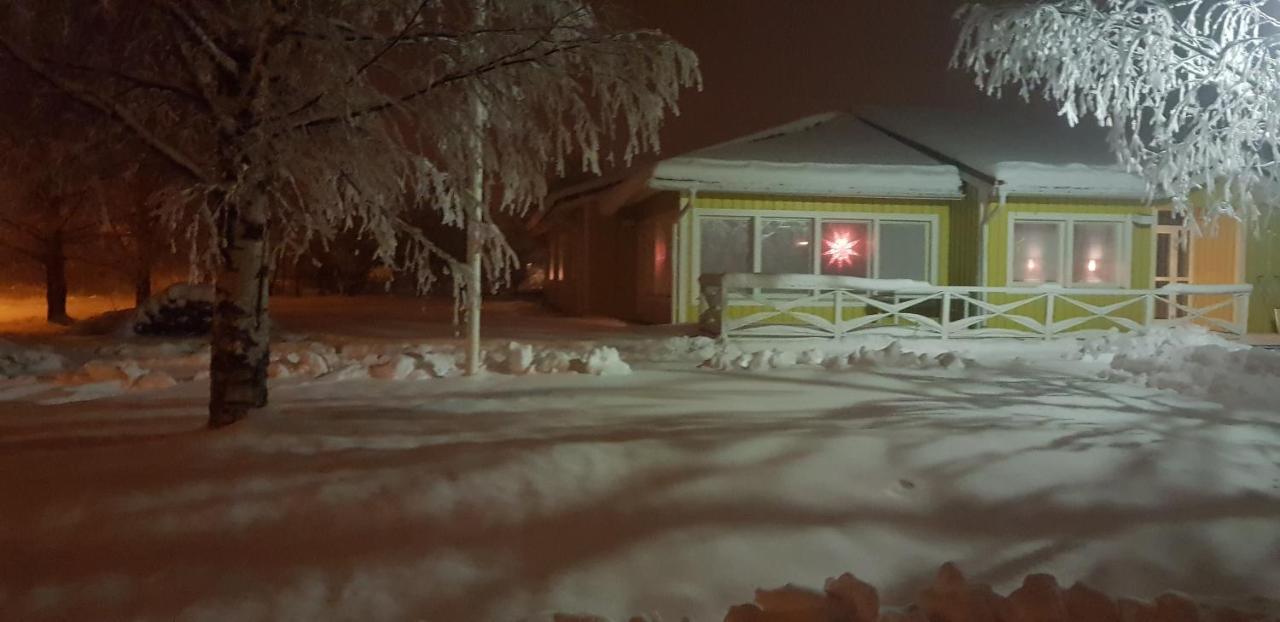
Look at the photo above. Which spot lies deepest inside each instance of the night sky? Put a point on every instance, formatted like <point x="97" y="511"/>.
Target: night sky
<point x="767" y="62"/>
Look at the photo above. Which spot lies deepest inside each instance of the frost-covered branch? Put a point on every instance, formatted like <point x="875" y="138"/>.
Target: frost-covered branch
<point x="1189" y="88"/>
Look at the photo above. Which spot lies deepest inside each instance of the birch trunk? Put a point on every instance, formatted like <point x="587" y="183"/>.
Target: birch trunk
<point x="241" y="333"/>
<point x="474" y="281"/>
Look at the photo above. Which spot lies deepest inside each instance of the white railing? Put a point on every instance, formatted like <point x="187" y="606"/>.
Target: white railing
<point x="800" y="305"/>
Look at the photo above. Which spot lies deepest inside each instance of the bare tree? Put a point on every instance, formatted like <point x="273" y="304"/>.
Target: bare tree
<point x="294" y="120"/>
<point x="1189" y="88"/>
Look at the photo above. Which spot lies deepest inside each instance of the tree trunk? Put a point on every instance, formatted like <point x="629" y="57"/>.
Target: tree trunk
<point x="55" y="281"/>
<point x="142" y="237"/>
<point x="142" y="278"/>
<point x="241" y="334"/>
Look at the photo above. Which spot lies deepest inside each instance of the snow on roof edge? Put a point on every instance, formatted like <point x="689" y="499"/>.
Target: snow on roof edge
<point x="1075" y="180"/>
<point x="940" y="181"/>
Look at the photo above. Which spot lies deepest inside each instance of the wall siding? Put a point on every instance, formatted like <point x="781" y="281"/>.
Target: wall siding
<point x="1262" y="270"/>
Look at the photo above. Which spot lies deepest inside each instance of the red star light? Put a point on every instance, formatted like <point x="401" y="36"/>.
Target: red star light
<point x="841" y="250"/>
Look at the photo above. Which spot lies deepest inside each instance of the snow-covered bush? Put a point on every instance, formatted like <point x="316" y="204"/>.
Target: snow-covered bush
<point x="181" y="310"/>
<point x="16" y="361"/>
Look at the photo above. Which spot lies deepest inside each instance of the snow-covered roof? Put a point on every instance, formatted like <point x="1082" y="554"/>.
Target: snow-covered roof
<point x="833" y="154"/>
<point x="1026" y="150"/>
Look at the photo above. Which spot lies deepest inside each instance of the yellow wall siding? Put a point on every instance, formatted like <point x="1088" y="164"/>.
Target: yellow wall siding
<point x="997" y="247"/>
<point x="1262" y="270"/>
<point x="965" y="240"/>
<point x="1214" y="260"/>
<point x="941" y="209"/>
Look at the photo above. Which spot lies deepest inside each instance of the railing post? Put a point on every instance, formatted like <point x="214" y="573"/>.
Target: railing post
<point x="724" y="309"/>
<point x="837" y="307"/>
<point x="946" y="314"/>
<point x="1242" y="313"/>
<point x="1149" y="311"/>
<point x="1048" y="316"/>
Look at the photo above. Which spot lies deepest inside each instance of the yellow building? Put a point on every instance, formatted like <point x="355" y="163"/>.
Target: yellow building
<point x="915" y="220"/>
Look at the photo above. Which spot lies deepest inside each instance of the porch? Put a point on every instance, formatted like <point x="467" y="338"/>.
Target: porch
<point x="806" y="305"/>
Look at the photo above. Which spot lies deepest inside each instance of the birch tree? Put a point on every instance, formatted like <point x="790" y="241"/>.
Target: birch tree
<point x="296" y="120"/>
<point x="1190" y="89"/>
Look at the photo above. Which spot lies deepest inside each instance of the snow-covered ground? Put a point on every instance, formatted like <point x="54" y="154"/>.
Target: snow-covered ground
<point x="1138" y="465"/>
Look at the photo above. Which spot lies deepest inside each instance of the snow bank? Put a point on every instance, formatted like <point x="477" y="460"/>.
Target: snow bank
<point x="952" y="598"/>
<point x="400" y="362"/>
<point x="17" y="361"/>
<point x="890" y="356"/>
<point x="1191" y="361"/>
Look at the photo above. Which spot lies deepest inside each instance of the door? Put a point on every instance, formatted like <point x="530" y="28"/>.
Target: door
<point x="1173" y="261"/>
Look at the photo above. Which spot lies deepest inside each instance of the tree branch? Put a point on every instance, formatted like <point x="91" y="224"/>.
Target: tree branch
<point x="219" y="56"/>
<point x="147" y="83"/>
<point x="111" y="109"/>
<point x="506" y="60"/>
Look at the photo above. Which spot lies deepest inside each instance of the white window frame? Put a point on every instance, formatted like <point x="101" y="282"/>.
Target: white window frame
<point x="873" y="219"/>
<point x="1066" y="248"/>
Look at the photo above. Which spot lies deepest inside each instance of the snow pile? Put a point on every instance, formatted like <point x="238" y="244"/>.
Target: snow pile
<point x="126" y="373"/>
<point x="519" y="359"/>
<point x="182" y="309"/>
<point x="424" y="361"/>
<point x="1191" y="361"/>
<point x="953" y="598"/>
<point x="889" y="356"/>
<point x="677" y="349"/>
<point x="18" y="361"/>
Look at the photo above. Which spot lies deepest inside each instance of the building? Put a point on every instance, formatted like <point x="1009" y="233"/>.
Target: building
<point x="1016" y="225"/>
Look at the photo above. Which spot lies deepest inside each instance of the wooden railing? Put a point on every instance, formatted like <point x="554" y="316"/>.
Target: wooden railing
<point x="799" y="305"/>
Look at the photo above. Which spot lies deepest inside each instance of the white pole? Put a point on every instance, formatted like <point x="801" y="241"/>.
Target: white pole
<point x="475" y="228"/>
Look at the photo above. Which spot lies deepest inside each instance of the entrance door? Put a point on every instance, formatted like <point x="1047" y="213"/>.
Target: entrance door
<point x="1173" y="260"/>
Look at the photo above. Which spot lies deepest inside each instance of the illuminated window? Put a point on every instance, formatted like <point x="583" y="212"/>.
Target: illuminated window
<point x="893" y="247"/>
<point x="1095" y="253"/>
<point x="1037" y="252"/>
<point x="846" y="250"/>
<point x="1073" y="252"/>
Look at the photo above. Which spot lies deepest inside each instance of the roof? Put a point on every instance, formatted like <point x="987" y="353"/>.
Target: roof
<point x="1026" y="150"/>
<point x="832" y="154"/>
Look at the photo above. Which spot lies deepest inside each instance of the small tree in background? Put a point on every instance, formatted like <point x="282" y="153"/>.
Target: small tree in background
<point x="1189" y="88"/>
<point x="295" y="120"/>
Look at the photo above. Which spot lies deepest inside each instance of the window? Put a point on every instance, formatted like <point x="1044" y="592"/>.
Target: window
<point x="845" y="248"/>
<point x="1037" y="252"/>
<point x="904" y="250"/>
<point x="726" y="245"/>
<point x="786" y="245"/>
<point x="1077" y="252"/>
<point x="1095" y="257"/>
<point x="776" y="242"/>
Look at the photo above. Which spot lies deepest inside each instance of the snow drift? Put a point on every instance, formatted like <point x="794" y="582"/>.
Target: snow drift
<point x="16" y="360"/>
<point x="1192" y="361"/>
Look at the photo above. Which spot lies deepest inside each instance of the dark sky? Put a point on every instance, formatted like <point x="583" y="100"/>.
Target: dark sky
<point x="766" y="62"/>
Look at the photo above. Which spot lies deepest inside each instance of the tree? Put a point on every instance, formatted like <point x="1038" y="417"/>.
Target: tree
<point x="43" y="216"/>
<point x="1189" y="88"/>
<point x="50" y="190"/>
<point x="295" y="120"/>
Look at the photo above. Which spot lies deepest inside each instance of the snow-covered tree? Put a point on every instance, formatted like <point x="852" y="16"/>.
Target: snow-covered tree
<point x="296" y="120"/>
<point x="1189" y="88"/>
